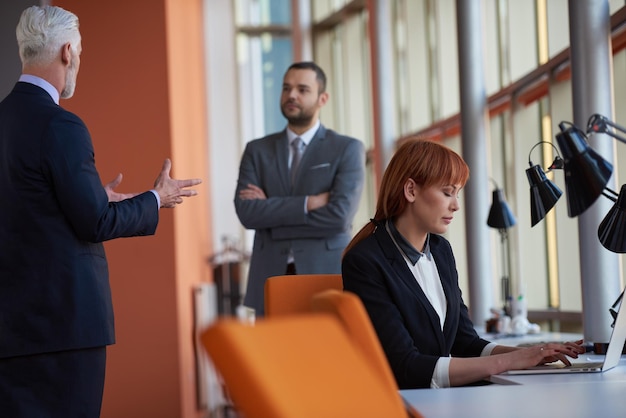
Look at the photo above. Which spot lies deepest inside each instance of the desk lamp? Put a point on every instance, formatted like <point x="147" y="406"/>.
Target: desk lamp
<point x="612" y="229"/>
<point x="586" y="172"/>
<point x="586" y="176"/>
<point x="543" y="193"/>
<point x="501" y="217"/>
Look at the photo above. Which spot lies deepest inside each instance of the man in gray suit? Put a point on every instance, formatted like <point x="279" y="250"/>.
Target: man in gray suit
<point x="299" y="189"/>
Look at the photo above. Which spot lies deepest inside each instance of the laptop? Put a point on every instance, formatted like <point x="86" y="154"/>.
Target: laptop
<point x="611" y="359"/>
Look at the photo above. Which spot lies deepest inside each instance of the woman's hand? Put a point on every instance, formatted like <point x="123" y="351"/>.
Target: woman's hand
<point x="545" y="353"/>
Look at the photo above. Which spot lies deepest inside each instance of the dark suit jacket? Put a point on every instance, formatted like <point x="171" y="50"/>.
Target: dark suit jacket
<point x="406" y="323"/>
<point x="54" y="215"/>
<point x="331" y="163"/>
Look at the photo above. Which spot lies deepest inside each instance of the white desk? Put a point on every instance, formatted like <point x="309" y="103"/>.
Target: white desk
<point x="571" y="395"/>
<point x="568" y="400"/>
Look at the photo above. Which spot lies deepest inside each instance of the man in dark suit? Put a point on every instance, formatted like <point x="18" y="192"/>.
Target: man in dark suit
<point x="300" y="199"/>
<point x="56" y="314"/>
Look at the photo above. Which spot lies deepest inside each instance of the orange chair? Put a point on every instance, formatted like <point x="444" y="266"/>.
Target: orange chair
<point x="303" y="366"/>
<point x="291" y="294"/>
<point x="348" y="308"/>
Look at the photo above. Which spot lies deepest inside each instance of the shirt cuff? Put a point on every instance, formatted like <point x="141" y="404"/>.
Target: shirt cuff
<point x="488" y="349"/>
<point x="441" y="374"/>
<point x="158" y="198"/>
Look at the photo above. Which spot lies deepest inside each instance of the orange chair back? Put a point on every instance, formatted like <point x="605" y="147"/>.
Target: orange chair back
<point x="285" y="295"/>
<point x="303" y="366"/>
<point x="348" y="308"/>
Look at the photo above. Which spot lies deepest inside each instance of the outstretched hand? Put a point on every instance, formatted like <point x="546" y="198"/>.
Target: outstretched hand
<point x="113" y="195"/>
<point x="172" y="191"/>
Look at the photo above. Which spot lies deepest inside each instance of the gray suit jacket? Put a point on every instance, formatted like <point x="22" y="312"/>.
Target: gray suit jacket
<point x="331" y="163"/>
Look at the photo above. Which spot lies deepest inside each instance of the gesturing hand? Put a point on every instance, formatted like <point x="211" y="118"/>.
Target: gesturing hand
<point x="113" y="195"/>
<point x="172" y="191"/>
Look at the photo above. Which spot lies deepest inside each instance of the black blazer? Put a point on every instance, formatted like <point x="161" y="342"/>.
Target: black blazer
<point x="406" y="323"/>
<point x="54" y="215"/>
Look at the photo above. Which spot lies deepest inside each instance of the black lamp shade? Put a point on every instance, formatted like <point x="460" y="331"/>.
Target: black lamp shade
<point x="612" y="230"/>
<point x="500" y="214"/>
<point x="543" y="194"/>
<point x="586" y="172"/>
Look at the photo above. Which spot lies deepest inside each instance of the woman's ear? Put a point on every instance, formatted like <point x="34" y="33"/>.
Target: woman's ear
<point x="410" y="190"/>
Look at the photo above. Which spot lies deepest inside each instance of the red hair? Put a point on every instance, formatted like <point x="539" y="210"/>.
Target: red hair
<point x="428" y="163"/>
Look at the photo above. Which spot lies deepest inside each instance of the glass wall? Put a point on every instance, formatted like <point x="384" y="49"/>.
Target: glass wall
<point x="341" y="47"/>
<point x="416" y="68"/>
<point x="264" y="51"/>
<point x="519" y="37"/>
<point x="262" y="12"/>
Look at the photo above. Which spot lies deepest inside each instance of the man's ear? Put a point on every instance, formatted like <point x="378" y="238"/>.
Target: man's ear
<point x="66" y="53"/>
<point x="323" y="98"/>
<point x="410" y="190"/>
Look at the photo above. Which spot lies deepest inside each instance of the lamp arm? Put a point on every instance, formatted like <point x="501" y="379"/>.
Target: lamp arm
<point x="601" y="124"/>
<point x="619" y="298"/>
<point x="556" y="164"/>
<point x="611" y="195"/>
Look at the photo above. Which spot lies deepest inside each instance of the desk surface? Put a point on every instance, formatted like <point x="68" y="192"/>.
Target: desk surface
<point x="570" y="400"/>
<point x="547" y="395"/>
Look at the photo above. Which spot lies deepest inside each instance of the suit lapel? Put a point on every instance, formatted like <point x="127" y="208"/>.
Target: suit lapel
<point x="445" y="275"/>
<point x="312" y="148"/>
<point x="404" y="274"/>
<point x="281" y="150"/>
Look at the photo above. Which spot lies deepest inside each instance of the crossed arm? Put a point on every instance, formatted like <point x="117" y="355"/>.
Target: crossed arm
<point x="327" y="212"/>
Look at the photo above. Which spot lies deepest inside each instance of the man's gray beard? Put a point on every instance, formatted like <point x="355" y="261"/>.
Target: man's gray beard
<point x="70" y="83"/>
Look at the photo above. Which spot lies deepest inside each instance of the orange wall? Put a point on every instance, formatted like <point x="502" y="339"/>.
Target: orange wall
<point x="141" y="93"/>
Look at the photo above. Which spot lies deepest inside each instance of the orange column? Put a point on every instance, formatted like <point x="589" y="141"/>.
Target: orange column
<point x="141" y="93"/>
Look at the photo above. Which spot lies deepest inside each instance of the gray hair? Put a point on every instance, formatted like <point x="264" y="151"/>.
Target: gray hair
<point x="43" y="30"/>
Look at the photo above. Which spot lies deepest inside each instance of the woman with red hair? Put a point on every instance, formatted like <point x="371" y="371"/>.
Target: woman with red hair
<point x="405" y="273"/>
